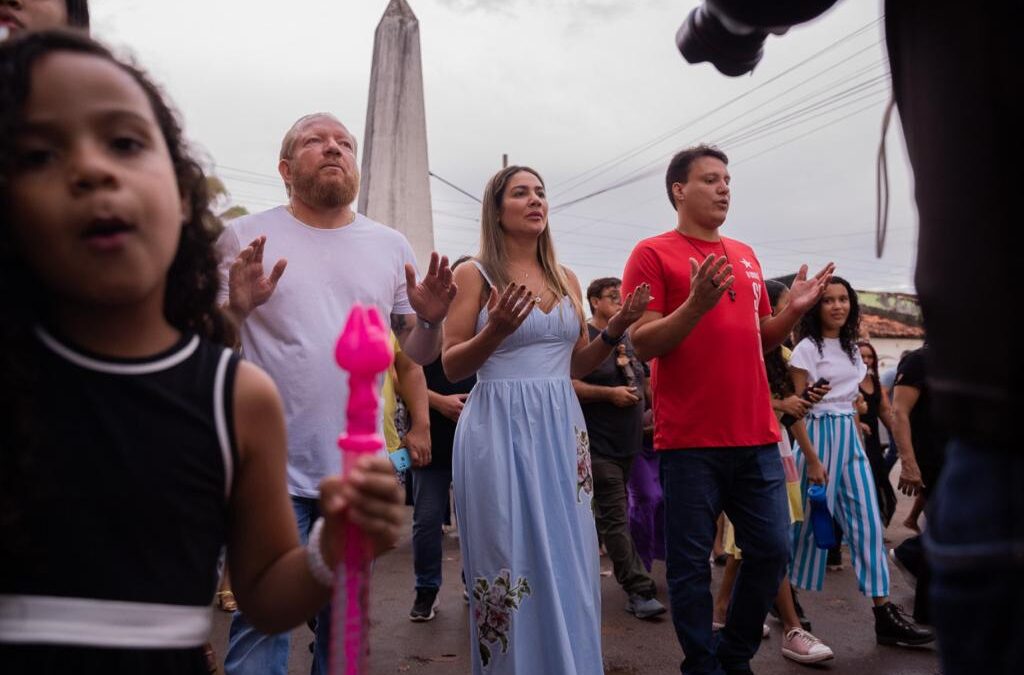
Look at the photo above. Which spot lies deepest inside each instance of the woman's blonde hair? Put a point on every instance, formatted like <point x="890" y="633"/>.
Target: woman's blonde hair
<point x="493" y="255"/>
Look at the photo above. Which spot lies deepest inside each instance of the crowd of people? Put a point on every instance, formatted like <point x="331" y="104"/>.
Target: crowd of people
<point x="168" y="397"/>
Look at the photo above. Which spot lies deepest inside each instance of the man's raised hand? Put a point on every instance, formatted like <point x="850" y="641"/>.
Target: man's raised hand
<point x="248" y="286"/>
<point x="804" y="292"/>
<point x="431" y="297"/>
<point x="709" y="280"/>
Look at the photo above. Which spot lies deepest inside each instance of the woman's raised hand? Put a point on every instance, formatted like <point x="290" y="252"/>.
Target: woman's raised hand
<point x="507" y="312"/>
<point x="633" y="307"/>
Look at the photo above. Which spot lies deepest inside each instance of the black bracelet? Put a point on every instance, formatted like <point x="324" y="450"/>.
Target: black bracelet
<point x="609" y="340"/>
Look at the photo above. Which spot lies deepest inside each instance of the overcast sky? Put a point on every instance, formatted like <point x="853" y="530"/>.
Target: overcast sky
<point x="565" y="86"/>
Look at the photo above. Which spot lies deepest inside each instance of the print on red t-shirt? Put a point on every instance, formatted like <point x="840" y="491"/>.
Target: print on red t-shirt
<point x="711" y="390"/>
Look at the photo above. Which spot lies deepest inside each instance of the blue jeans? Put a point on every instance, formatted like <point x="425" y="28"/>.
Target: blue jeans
<point x="253" y="653"/>
<point x="975" y="545"/>
<point x="748" y="483"/>
<point x="430" y="502"/>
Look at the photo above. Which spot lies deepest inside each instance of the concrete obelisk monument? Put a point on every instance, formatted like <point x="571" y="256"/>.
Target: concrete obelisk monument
<point x="395" y="176"/>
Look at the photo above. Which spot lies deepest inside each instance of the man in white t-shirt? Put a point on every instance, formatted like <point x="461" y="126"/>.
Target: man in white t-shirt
<point x="288" y="324"/>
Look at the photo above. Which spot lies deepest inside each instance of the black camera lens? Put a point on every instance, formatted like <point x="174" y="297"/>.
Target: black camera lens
<point x="702" y="37"/>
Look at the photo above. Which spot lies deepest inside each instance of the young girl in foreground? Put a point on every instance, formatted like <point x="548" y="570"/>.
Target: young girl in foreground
<point x="133" y="447"/>
<point x="829" y="350"/>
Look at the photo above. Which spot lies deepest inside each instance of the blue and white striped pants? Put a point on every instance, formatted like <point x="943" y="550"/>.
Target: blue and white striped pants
<point x="851" y="499"/>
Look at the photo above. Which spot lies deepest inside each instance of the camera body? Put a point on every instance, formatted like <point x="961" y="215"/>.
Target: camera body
<point x="730" y="34"/>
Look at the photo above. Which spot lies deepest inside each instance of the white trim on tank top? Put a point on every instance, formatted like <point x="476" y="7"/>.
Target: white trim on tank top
<point x="40" y="619"/>
<point x="91" y="363"/>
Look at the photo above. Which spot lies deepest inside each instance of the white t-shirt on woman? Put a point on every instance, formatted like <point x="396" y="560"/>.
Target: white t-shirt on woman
<point x="835" y="366"/>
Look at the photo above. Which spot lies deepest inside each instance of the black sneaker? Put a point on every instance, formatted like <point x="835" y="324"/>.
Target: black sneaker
<point x="426" y="603"/>
<point x="893" y="627"/>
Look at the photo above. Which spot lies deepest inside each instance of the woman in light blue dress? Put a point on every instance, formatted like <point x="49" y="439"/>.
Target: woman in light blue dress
<point x="521" y="464"/>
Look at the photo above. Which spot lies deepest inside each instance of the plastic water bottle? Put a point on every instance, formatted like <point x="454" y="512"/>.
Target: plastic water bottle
<point x="821" y="518"/>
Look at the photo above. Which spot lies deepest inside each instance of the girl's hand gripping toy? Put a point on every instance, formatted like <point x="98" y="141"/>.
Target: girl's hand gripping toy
<point x="364" y="350"/>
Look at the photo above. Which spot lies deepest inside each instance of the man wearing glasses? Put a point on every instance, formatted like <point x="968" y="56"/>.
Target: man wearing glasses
<point x="612" y="398"/>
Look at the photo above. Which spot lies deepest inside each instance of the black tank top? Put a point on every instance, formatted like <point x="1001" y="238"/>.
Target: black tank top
<point x="133" y="465"/>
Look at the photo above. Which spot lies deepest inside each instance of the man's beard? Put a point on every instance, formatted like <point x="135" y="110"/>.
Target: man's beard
<point x="326" y="193"/>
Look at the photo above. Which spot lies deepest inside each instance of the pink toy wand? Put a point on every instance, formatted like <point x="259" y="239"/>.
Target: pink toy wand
<point x="364" y="350"/>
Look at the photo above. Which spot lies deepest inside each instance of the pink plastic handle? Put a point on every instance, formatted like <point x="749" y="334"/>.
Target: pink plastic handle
<point x="364" y="350"/>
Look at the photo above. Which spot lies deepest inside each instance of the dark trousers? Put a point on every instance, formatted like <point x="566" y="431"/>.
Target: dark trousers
<point x="912" y="554"/>
<point x="975" y="545"/>
<point x="748" y="483"/>
<point x="611" y="513"/>
<point x="430" y="489"/>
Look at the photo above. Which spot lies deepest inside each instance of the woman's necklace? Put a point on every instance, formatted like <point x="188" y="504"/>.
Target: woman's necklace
<point x="538" y="296"/>
<point x="703" y="257"/>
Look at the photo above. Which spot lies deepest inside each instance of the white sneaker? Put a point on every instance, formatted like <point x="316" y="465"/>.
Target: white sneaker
<point x="802" y="647"/>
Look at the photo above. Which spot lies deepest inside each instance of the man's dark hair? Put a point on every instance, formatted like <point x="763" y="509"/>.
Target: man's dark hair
<point x="679" y="168"/>
<point x="599" y="286"/>
<point x="78" y="13"/>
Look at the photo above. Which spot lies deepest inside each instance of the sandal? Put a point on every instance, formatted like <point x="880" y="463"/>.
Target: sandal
<point x="226" y="601"/>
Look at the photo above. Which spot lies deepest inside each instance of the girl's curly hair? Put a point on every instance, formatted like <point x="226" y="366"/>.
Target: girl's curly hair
<point x="190" y="300"/>
<point x="810" y="324"/>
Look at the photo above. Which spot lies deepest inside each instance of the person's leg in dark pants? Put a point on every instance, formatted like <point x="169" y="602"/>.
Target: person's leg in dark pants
<point x="692" y="482"/>
<point x="911" y="556"/>
<point x="974" y="541"/>
<point x="430" y="501"/>
<point x="758" y="508"/>
<point x="611" y="513"/>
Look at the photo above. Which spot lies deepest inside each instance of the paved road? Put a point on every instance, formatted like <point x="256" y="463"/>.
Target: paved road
<point x="841" y="616"/>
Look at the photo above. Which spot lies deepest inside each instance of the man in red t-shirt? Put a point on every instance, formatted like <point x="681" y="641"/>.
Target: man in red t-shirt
<point x="706" y="328"/>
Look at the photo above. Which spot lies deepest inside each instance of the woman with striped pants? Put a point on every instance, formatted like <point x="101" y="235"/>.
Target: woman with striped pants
<point x="828" y="350"/>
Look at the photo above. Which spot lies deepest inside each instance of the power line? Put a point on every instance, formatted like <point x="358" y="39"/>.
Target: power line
<point x="827" y="108"/>
<point x="253" y="173"/>
<point x="832" y="85"/>
<point x="765" y="129"/>
<point x="607" y="165"/>
<point x="812" y="131"/>
<point x="456" y="187"/>
<point x="774" y="119"/>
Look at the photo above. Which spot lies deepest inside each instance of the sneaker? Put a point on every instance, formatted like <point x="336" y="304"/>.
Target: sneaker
<point x="893" y="627"/>
<point x="802" y="647"/>
<point x="644" y="608"/>
<point x="424" y="607"/>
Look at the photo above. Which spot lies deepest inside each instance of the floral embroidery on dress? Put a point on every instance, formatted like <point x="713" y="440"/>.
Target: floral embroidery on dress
<point x="584" y="478"/>
<point x="495" y="603"/>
